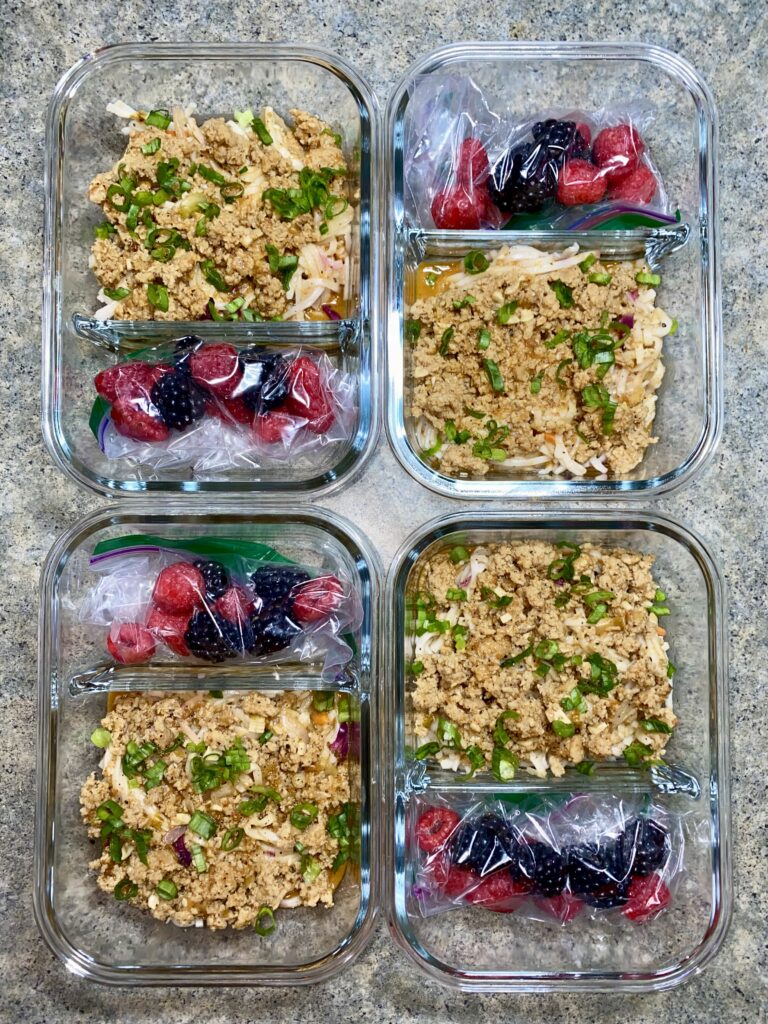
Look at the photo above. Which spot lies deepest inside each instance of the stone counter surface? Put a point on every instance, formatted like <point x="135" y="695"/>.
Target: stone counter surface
<point x="728" y="43"/>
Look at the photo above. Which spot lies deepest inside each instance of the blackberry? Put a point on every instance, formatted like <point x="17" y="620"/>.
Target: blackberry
<point x="183" y="350"/>
<point x="523" y="179"/>
<point x="273" y="585"/>
<point x="562" y="138"/>
<point x="550" y="870"/>
<point x="593" y="870"/>
<point x="272" y="631"/>
<point x="614" y="894"/>
<point x="215" y="577"/>
<point x="210" y="637"/>
<point x="178" y="400"/>
<point x="265" y="379"/>
<point x="645" y="846"/>
<point x="481" y="844"/>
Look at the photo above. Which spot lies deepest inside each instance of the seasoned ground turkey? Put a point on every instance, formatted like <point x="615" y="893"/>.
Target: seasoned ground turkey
<point x="281" y="744"/>
<point x="506" y="630"/>
<point x="503" y="366"/>
<point x="203" y="240"/>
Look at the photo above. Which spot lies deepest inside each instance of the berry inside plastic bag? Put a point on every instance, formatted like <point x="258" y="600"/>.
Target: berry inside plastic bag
<point x="218" y="599"/>
<point x="216" y="407"/>
<point x="468" y="167"/>
<point x="548" y="857"/>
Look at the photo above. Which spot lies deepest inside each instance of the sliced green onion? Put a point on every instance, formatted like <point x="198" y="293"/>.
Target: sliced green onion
<point x="160" y="118"/>
<point x="598" y="597"/>
<point x="102" y="738"/>
<point x="597" y="613"/>
<point x="416" y="668"/>
<point x="504" y="764"/>
<point x="563" y="293"/>
<point x="459" y="554"/>
<point x="157" y="296"/>
<point x="303" y="815"/>
<point x="673" y="327"/>
<point x="654" y="725"/>
<point x="671" y="669"/>
<point x="445" y="341"/>
<point x="232" y="839"/>
<point x="212" y="276"/>
<point x="125" y="890"/>
<point x="310" y="868"/>
<point x="426" y="750"/>
<point x="476" y="759"/>
<point x="448" y="734"/>
<point x="646" y="277"/>
<point x="456" y="594"/>
<point x="546" y="649"/>
<point x="322" y="700"/>
<point x="517" y="658"/>
<point x="586" y="767"/>
<point x="260" y="129"/>
<point x="636" y="753"/>
<point x="149" y="148"/>
<point x="203" y="825"/>
<point x="600" y="278"/>
<point x="196" y="748"/>
<point x="105" y="230"/>
<point x="412" y="330"/>
<point x="232" y="191"/>
<point x="493" y="373"/>
<point x="559" y="371"/>
<point x="536" y="384"/>
<point x="166" y="890"/>
<point x="587" y="263"/>
<point x="468" y="300"/>
<point x="563" y="729"/>
<point x="500" y="735"/>
<point x="132" y="218"/>
<point x="475" y="262"/>
<point x="504" y="313"/>
<point x="211" y="175"/>
<point x="198" y="859"/>
<point x="557" y="339"/>
<point x="483" y="341"/>
<point x="109" y="809"/>
<point x="474" y="413"/>
<point x="265" y="922"/>
<point x="659" y="610"/>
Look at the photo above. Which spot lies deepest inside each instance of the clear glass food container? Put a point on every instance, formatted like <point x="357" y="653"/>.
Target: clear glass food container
<point x="84" y="140"/>
<point x="107" y="941"/>
<point x="472" y="949"/>
<point x="525" y="78"/>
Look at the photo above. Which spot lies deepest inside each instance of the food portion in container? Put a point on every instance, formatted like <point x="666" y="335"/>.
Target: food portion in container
<point x="213" y="599"/>
<point x="532" y="361"/>
<point x="470" y="164"/>
<point x="548" y="857"/>
<point x="217" y="811"/>
<point x="245" y="218"/>
<point x="539" y="656"/>
<point x="216" y="406"/>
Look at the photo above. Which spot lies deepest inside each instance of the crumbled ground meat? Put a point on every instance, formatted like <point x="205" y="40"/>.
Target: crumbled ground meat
<point x="231" y="242"/>
<point x="285" y="742"/>
<point x="508" y="608"/>
<point x="534" y="403"/>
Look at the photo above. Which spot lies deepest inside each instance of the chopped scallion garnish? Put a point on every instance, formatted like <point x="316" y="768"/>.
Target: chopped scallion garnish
<point x="563" y="293"/>
<point x="158" y="119"/>
<point x="166" y="890"/>
<point x="203" y="825"/>
<point x="101" y="738"/>
<point x="475" y="262"/>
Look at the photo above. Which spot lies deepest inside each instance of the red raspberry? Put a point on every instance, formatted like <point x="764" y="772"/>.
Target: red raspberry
<point x="217" y="368"/>
<point x="179" y="589"/>
<point x="460" y="208"/>
<point x="458" y="882"/>
<point x="132" y="419"/>
<point x="307" y="395"/>
<point x="500" y="892"/>
<point x="130" y="643"/>
<point x="169" y="630"/>
<point x="580" y="182"/>
<point x="323" y="422"/>
<point x="316" y="599"/>
<point x="128" y="380"/>
<point x="618" y="150"/>
<point x="235" y="604"/>
<point x="236" y="409"/>
<point x="585" y="132"/>
<point x="639" y="186"/>
<point x="471" y="162"/>
<point x="274" y="427"/>
<point x="647" y="898"/>
<point x="564" y="907"/>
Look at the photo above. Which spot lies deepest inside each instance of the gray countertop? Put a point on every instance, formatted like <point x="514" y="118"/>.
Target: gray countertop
<point x="728" y="43"/>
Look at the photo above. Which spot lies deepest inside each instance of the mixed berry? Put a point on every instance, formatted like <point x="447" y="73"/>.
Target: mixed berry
<point x="559" y="164"/>
<point x="488" y="861"/>
<point x="275" y="395"/>
<point x="198" y="609"/>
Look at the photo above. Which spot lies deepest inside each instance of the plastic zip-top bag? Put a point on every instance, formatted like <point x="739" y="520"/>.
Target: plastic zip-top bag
<point x="215" y="407"/>
<point x="469" y="168"/>
<point x="217" y="599"/>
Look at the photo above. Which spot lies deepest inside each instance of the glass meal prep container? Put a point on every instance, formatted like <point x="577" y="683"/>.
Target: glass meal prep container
<point x="472" y="949"/>
<point x="84" y="140"/>
<point x="525" y="80"/>
<point x="105" y="940"/>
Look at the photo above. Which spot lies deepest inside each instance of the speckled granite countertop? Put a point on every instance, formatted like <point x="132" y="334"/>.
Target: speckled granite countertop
<point x="728" y="43"/>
